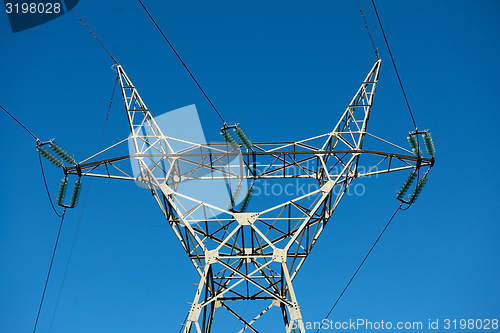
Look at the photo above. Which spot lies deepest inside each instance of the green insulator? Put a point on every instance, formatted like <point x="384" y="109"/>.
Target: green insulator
<point x="243" y="137"/>
<point x="409" y="180"/>
<point x="234" y="195"/>
<point x="61" y="152"/>
<point x="237" y="190"/>
<point x="229" y="139"/>
<point x="406" y="184"/>
<point x="55" y="147"/>
<point x="76" y="194"/>
<point x="57" y="162"/>
<point x="412" y="140"/>
<point x="246" y="200"/>
<point x="244" y="206"/>
<point x="40" y="151"/>
<point x="429" y="144"/>
<point x="48" y="155"/>
<point x="63" y="187"/>
<point x="417" y="151"/>
<point x="401" y="191"/>
<point x="412" y="176"/>
<point x="418" y="189"/>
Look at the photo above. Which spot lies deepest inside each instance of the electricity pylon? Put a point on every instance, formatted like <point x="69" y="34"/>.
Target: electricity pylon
<point x="250" y="254"/>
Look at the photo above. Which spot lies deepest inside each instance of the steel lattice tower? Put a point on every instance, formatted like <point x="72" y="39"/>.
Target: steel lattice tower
<point x="265" y="248"/>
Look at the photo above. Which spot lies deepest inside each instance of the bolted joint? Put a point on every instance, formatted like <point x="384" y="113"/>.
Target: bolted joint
<point x="279" y="255"/>
<point x="194" y="312"/>
<point x="211" y="257"/>
<point x="166" y="190"/>
<point x="248" y="254"/>
<point x="245" y="218"/>
<point x="327" y="187"/>
<point x="218" y="303"/>
<point x="294" y="310"/>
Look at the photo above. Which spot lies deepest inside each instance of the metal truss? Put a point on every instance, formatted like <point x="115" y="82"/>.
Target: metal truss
<point x="254" y="255"/>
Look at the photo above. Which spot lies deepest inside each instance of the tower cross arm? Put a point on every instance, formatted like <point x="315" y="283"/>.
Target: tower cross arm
<point x="258" y="165"/>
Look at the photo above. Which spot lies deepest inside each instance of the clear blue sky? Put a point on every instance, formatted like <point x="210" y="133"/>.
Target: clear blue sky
<point x="285" y="71"/>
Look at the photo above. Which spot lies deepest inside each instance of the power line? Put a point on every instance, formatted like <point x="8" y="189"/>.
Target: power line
<point x="359" y="267"/>
<point x="70" y="254"/>
<point x="368" y="30"/>
<point x="104" y="47"/>
<point x="414" y="123"/>
<point x="394" y="64"/>
<point x="27" y="130"/>
<point x="184" y="64"/>
<point x="184" y="323"/>
<point x="83" y="208"/>
<point x="40" y="159"/>
<point x="50" y="268"/>
<point x="46" y="187"/>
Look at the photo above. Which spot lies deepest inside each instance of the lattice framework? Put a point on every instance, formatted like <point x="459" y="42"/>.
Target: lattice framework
<point x="254" y="255"/>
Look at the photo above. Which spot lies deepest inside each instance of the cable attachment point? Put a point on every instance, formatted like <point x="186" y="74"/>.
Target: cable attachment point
<point x="54" y="159"/>
<point x="429" y="143"/>
<point x="417" y="151"/>
<point x="226" y="135"/>
<point x="75" y="194"/>
<point x="49" y="156"/>
<point x="242" y="137"/>
<point x="413" y="141"/>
